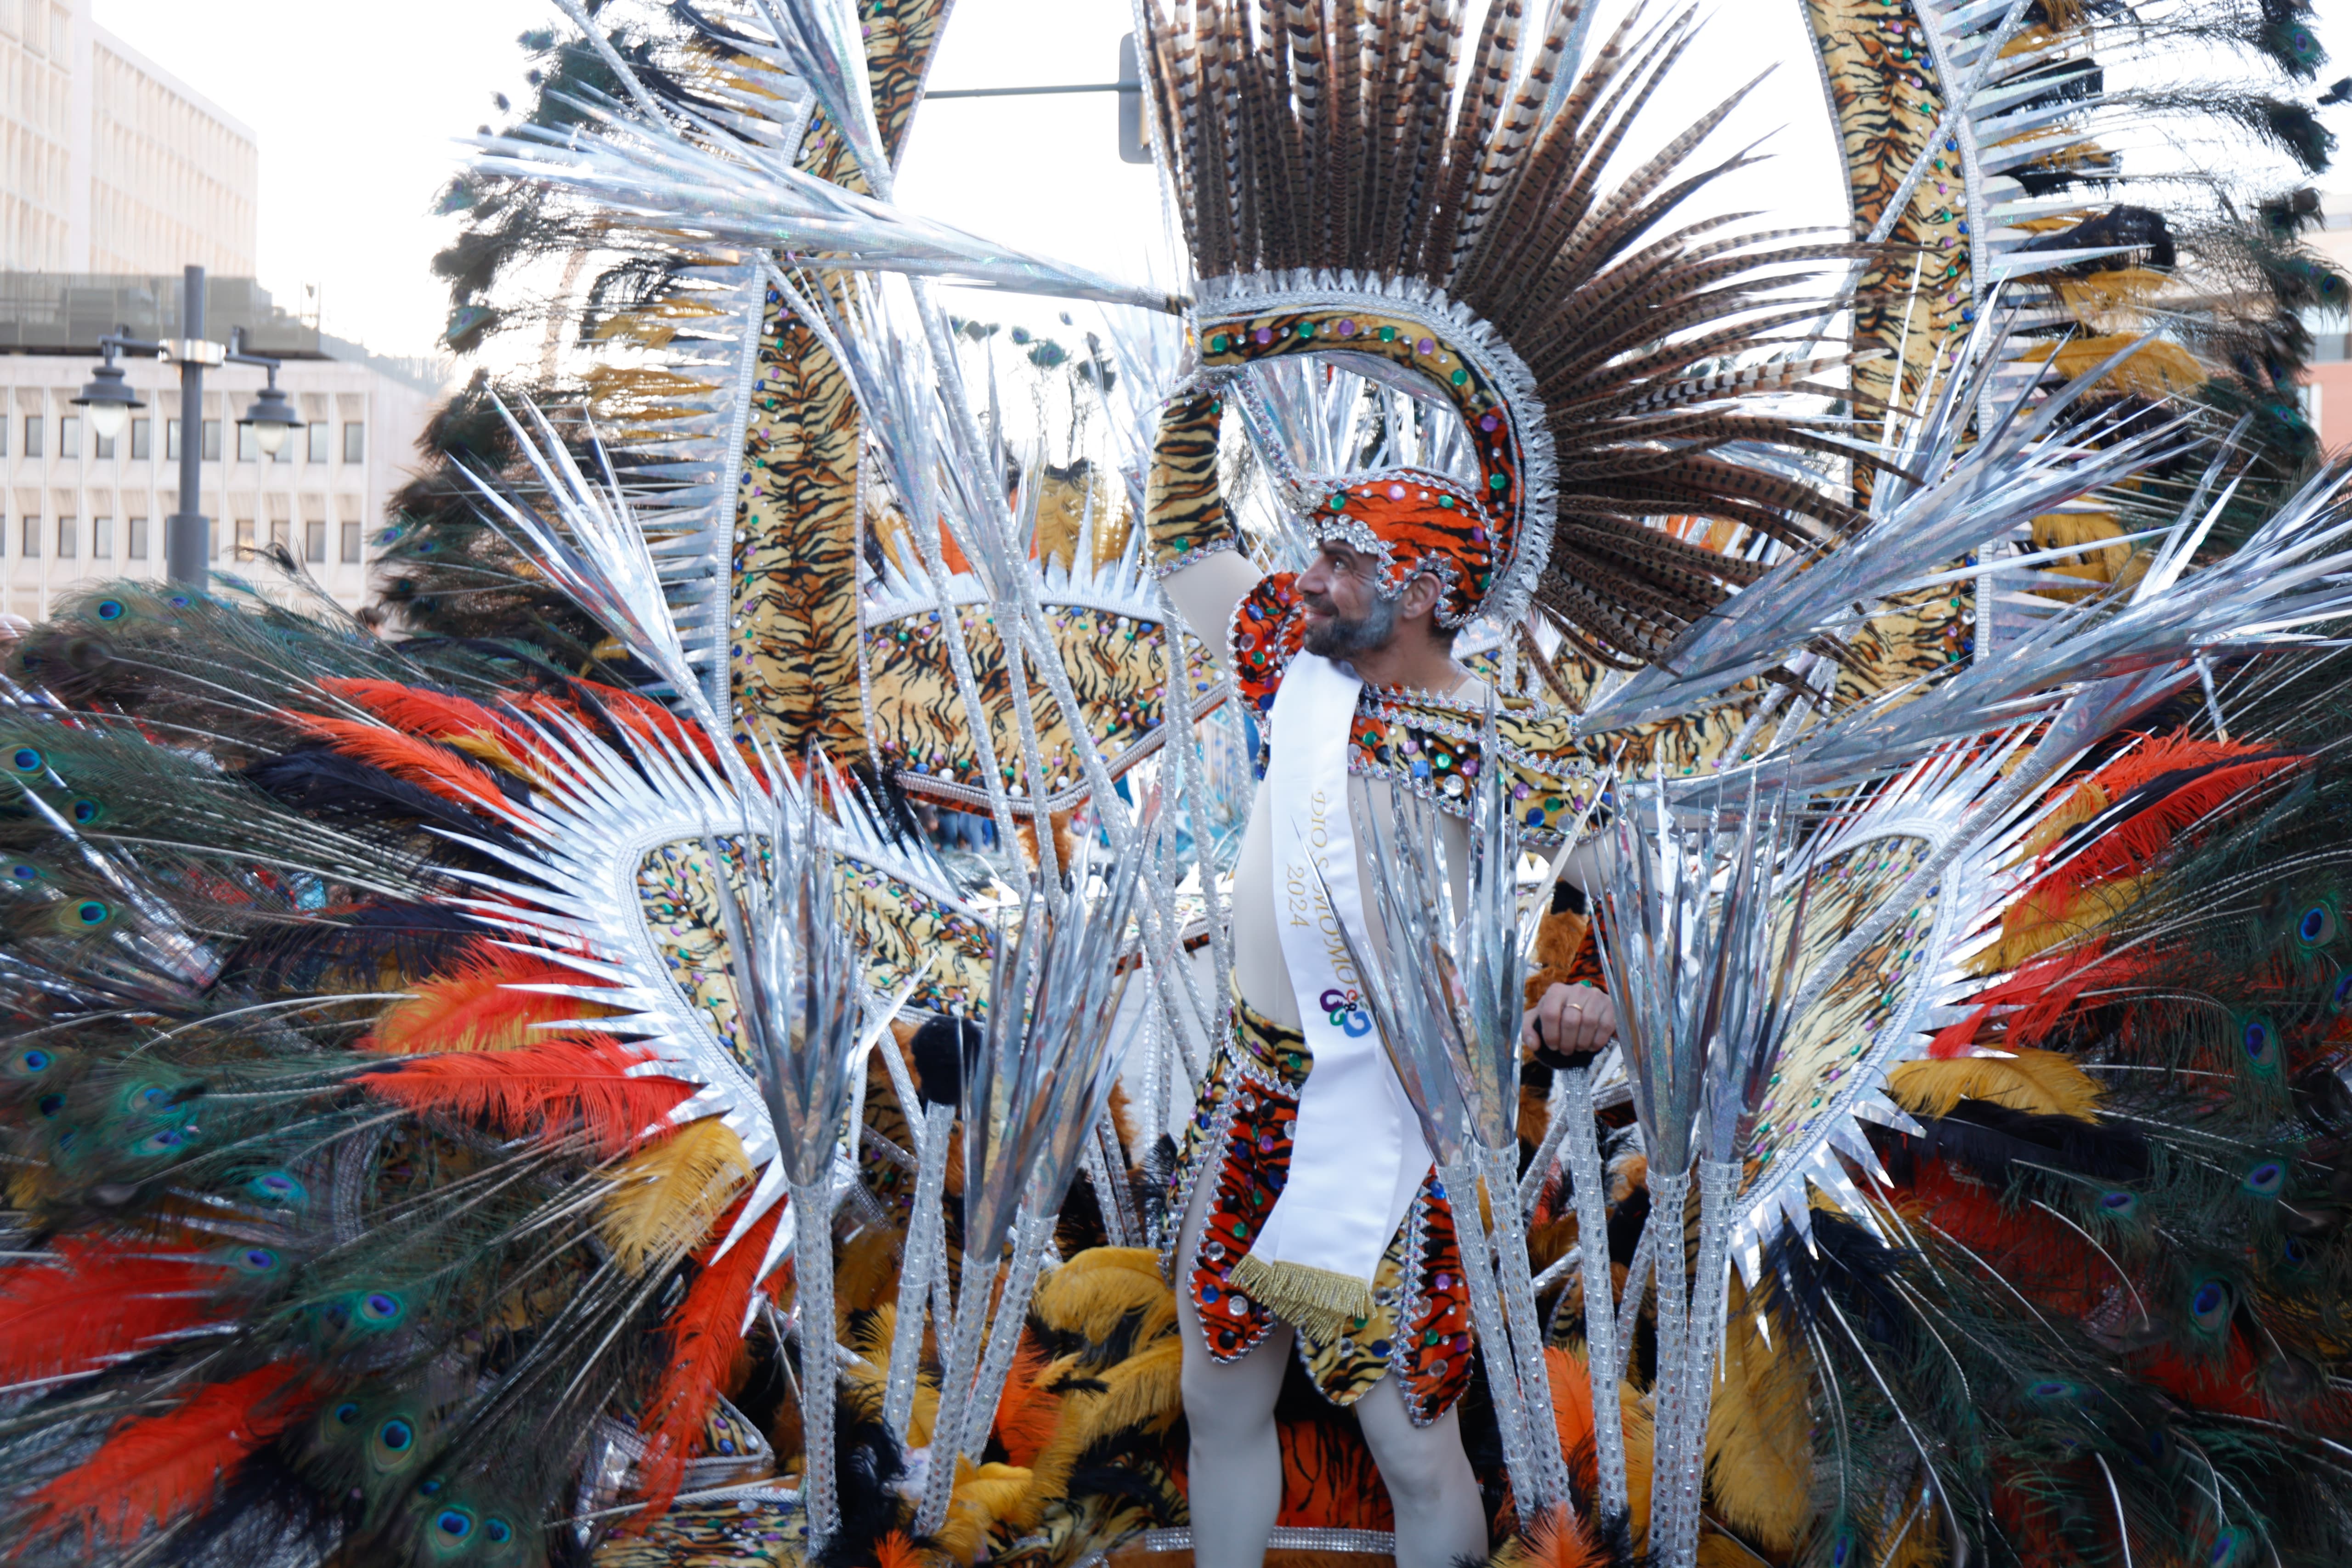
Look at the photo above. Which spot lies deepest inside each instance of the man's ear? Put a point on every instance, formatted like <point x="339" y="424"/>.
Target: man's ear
<point x="1421" y="592"/>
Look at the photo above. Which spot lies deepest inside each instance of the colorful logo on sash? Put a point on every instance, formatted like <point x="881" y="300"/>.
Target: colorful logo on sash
<point x="1345" y="1011"/>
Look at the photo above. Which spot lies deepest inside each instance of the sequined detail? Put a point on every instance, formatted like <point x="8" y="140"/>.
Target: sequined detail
<point x="1420" y="1326"/>
<point x="1419" y="742"/>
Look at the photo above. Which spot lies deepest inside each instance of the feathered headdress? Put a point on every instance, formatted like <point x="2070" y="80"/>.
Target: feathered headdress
<point x="1353" y="184"/>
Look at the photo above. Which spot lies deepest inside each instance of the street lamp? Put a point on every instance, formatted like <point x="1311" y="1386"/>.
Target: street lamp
<point x="108" y="398"/>
<point x="187" y="534"/>
<point x="271" y="418"/>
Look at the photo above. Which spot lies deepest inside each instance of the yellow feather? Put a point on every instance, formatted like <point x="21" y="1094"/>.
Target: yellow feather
<point x="2089" y="799"/>
<point x="866" y="1274"/>
<point x="2161" y="369"/>
<point x="1758" y="1435"/>
<point x="666" y="1198"/>
<point x="2041" y="920"/>
<point x="1091" y="1293"/>
<point x="2111" y="563"/>
<point x="982" y="1494"/>
<point x="863" y="1385"/>
<point x="2043" y="1083"/>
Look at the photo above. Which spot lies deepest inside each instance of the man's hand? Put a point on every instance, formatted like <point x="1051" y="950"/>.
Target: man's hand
<point x="1572" y="1021"/>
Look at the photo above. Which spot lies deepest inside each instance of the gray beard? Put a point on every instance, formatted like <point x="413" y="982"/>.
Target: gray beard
<point x="1338" y="639"/>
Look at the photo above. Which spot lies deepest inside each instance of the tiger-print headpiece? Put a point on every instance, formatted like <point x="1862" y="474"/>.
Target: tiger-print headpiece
<point x="1484" y="539"/>
<point x="1383" y="186"/>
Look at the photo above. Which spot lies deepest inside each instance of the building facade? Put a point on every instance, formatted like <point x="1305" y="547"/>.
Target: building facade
<point x="75" y="510"/>
<point x="108" y="163"/>
<point x="2327" y="385"/>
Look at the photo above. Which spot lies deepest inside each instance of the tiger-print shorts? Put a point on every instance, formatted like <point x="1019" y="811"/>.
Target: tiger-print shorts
<point x="1420" y="1326"/>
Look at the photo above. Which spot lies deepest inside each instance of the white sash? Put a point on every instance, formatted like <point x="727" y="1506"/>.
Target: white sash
<point x="1358" y="1155"/>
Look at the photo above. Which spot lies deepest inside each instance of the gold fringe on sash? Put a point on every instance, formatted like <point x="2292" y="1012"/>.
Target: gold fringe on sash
<point x="1325" y="1303"/>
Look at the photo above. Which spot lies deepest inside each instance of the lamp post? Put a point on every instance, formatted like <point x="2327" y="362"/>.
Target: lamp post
<point x="109" y="400"/>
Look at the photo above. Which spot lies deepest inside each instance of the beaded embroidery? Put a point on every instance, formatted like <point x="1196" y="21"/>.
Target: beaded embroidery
<point x="1420" y="1327"/>
<point x="1420" y="741"/>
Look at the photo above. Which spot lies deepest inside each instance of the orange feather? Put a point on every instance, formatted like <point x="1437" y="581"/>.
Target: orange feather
<point x="548" y="1090"/>
<point x="2138" y="842"/>
<point x="434" y="714"/>
<point x="476" y="1007"/>
<point x="1556" y="1539"/>
<point x="422" y="763"/>
<point x="103" y="1301"/>
<point x="703" y="1339"/>
<point x="153" y="1469"/>
<point x="1027" y="1414"/>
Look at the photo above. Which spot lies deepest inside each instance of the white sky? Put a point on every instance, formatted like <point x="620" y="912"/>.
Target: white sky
<point x="355" y="106"/>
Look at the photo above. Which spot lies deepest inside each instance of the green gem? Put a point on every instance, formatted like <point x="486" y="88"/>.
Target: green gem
<point x="1496" y="481"/>
<point x="1306" y="329"/>
<point x="1182" y="545"/>
<point x="1461" y="376"/>
<point x="1445" y="501"/>
<point x="1338" y="500"/>
<point x="1217" y="343"/>
<point x="1388" y="334"/>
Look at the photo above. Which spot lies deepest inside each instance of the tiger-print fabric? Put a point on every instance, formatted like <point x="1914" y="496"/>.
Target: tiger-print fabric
<point x="1885" y="98"/>
<point x="901" y="932"/>
<point x="793" y="646"/>
<point x="1239" y="1140"/>
<point x="793" y="587"/>
<point x="1117" y="667"/>
<point x="1185" y="516"/>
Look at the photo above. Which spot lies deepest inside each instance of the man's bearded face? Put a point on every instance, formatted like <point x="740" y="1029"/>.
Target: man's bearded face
<point x="1346" y="612"/>
<point x="1334" y="635"/>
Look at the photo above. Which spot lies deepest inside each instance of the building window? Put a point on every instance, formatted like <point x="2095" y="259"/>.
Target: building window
<point x="245" y="536"/>
<point x="212" y="440"/>
<point x="354" y="442"/>
<point x="134" y="544"/>
<point x="4" y="436"/>
<point x="66" y="540"/>
<point x="248" y="449"/>
<point x="350" y="541"/>
<point x="32" y="550"/>
<point x="140" y="440"/>
<point x="69" y="436"/>
<point x="32" y="434"/>
<point x="280" y="534"/>
<point x="318" y="433"/>
<point x="171" y="440"/>
<point x="102" y="538"/>
<point x="101" y="447"/>
<point x="314" y="540"/>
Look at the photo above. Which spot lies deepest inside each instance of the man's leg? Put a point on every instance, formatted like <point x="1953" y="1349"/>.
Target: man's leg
<point x="1236" y="1457"/>
<point x="1439" y="1517"/>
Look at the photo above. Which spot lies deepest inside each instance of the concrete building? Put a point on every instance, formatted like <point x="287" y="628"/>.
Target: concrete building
<point x="75" y="510"/>
<point x="2327" y="389"/>
<point x="108" y="162"/>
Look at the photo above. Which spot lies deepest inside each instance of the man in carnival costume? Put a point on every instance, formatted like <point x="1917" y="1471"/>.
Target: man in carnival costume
<point x="1543" y="431"/>
<point x="1353" y="1261"/>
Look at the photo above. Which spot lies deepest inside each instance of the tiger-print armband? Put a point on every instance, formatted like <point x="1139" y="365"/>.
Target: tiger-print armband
<point x="1186" y="514"/>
